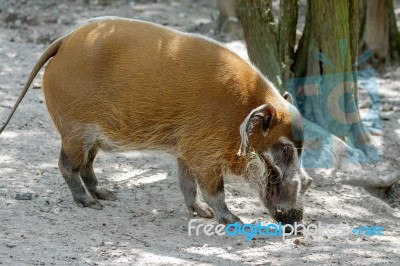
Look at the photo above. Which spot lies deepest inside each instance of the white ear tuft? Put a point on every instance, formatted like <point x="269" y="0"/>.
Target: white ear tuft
<point x="288" y="97"/>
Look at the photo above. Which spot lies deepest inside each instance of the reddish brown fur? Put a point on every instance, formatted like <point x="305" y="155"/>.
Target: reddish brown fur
<point x="147" y="86"/>
<point x="118" y="84"/>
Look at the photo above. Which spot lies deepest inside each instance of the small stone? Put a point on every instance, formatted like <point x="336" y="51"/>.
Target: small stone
<point x="365" y="104"/>
<point x="300" y="241"/>
<point x="375" y="131"/>
<point x="387" y="107"/>
<point x="37" y="85"/>
<point x="385" y="116"/>
<point x="387" y="75"/>
<point x="24" y="196"/>
<point x="10" y="245"/>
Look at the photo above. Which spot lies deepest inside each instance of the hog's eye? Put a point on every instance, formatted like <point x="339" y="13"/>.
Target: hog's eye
<point x="275" y="175"/>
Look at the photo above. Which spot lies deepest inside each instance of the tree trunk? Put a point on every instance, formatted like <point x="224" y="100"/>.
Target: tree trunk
<point x="380" y="34"/>
<point x="228" y="21"/>
<point x="227" y="10"/>
<point x="326" y="71"/>
<point x="287" y="36"/>
<point x="261" y="38"/>
<point x="394" y="35"/>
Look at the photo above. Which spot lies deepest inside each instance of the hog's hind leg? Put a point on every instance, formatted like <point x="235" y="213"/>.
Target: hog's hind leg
<point x="70" y="163"/>
<point x="90" y="179"/>
<point x="188" y="185"/>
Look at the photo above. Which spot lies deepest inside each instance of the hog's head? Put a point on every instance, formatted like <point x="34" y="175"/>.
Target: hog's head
<point x="272" y="141"/>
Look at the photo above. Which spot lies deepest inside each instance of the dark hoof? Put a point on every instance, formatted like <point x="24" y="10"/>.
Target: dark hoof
<point x="202" y="210"/>
<point x="229" y="218"/>
<point x="90" y="203"/>
<point x="103" y="194"/>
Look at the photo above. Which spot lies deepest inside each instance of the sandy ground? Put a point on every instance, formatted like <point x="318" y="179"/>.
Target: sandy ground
<point x="149" y="222"/>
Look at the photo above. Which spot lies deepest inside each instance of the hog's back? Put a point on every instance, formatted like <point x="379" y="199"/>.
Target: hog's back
<point x="146" y="86"/>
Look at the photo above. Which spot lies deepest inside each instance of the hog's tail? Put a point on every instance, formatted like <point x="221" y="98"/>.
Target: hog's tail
<point x="50" y="52"/>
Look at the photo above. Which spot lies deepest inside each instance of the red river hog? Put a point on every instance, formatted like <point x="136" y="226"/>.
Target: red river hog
<point x="119" y="84"/>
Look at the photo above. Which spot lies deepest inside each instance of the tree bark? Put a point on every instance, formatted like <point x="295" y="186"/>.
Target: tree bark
<point x="228" y="17"/>
<point x="394" y="35"/>
<point x="324" y="62"/>
<point x="227" y="8"/>
<point x="260" y="32"/>
<point x="380" y="34"/>
<point x="287" y="36"/>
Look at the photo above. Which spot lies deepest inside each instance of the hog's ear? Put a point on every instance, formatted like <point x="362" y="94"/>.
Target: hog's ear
<point x="288" y="97"/>
<point x="261" y="116"/>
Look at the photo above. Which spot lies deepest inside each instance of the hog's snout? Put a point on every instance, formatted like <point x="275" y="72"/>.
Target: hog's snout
<point x="289" y="216"/>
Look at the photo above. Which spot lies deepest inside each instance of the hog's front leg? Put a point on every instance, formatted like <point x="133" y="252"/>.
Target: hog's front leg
<point x="214" y="195"/>
<point x="188" y="185"/>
